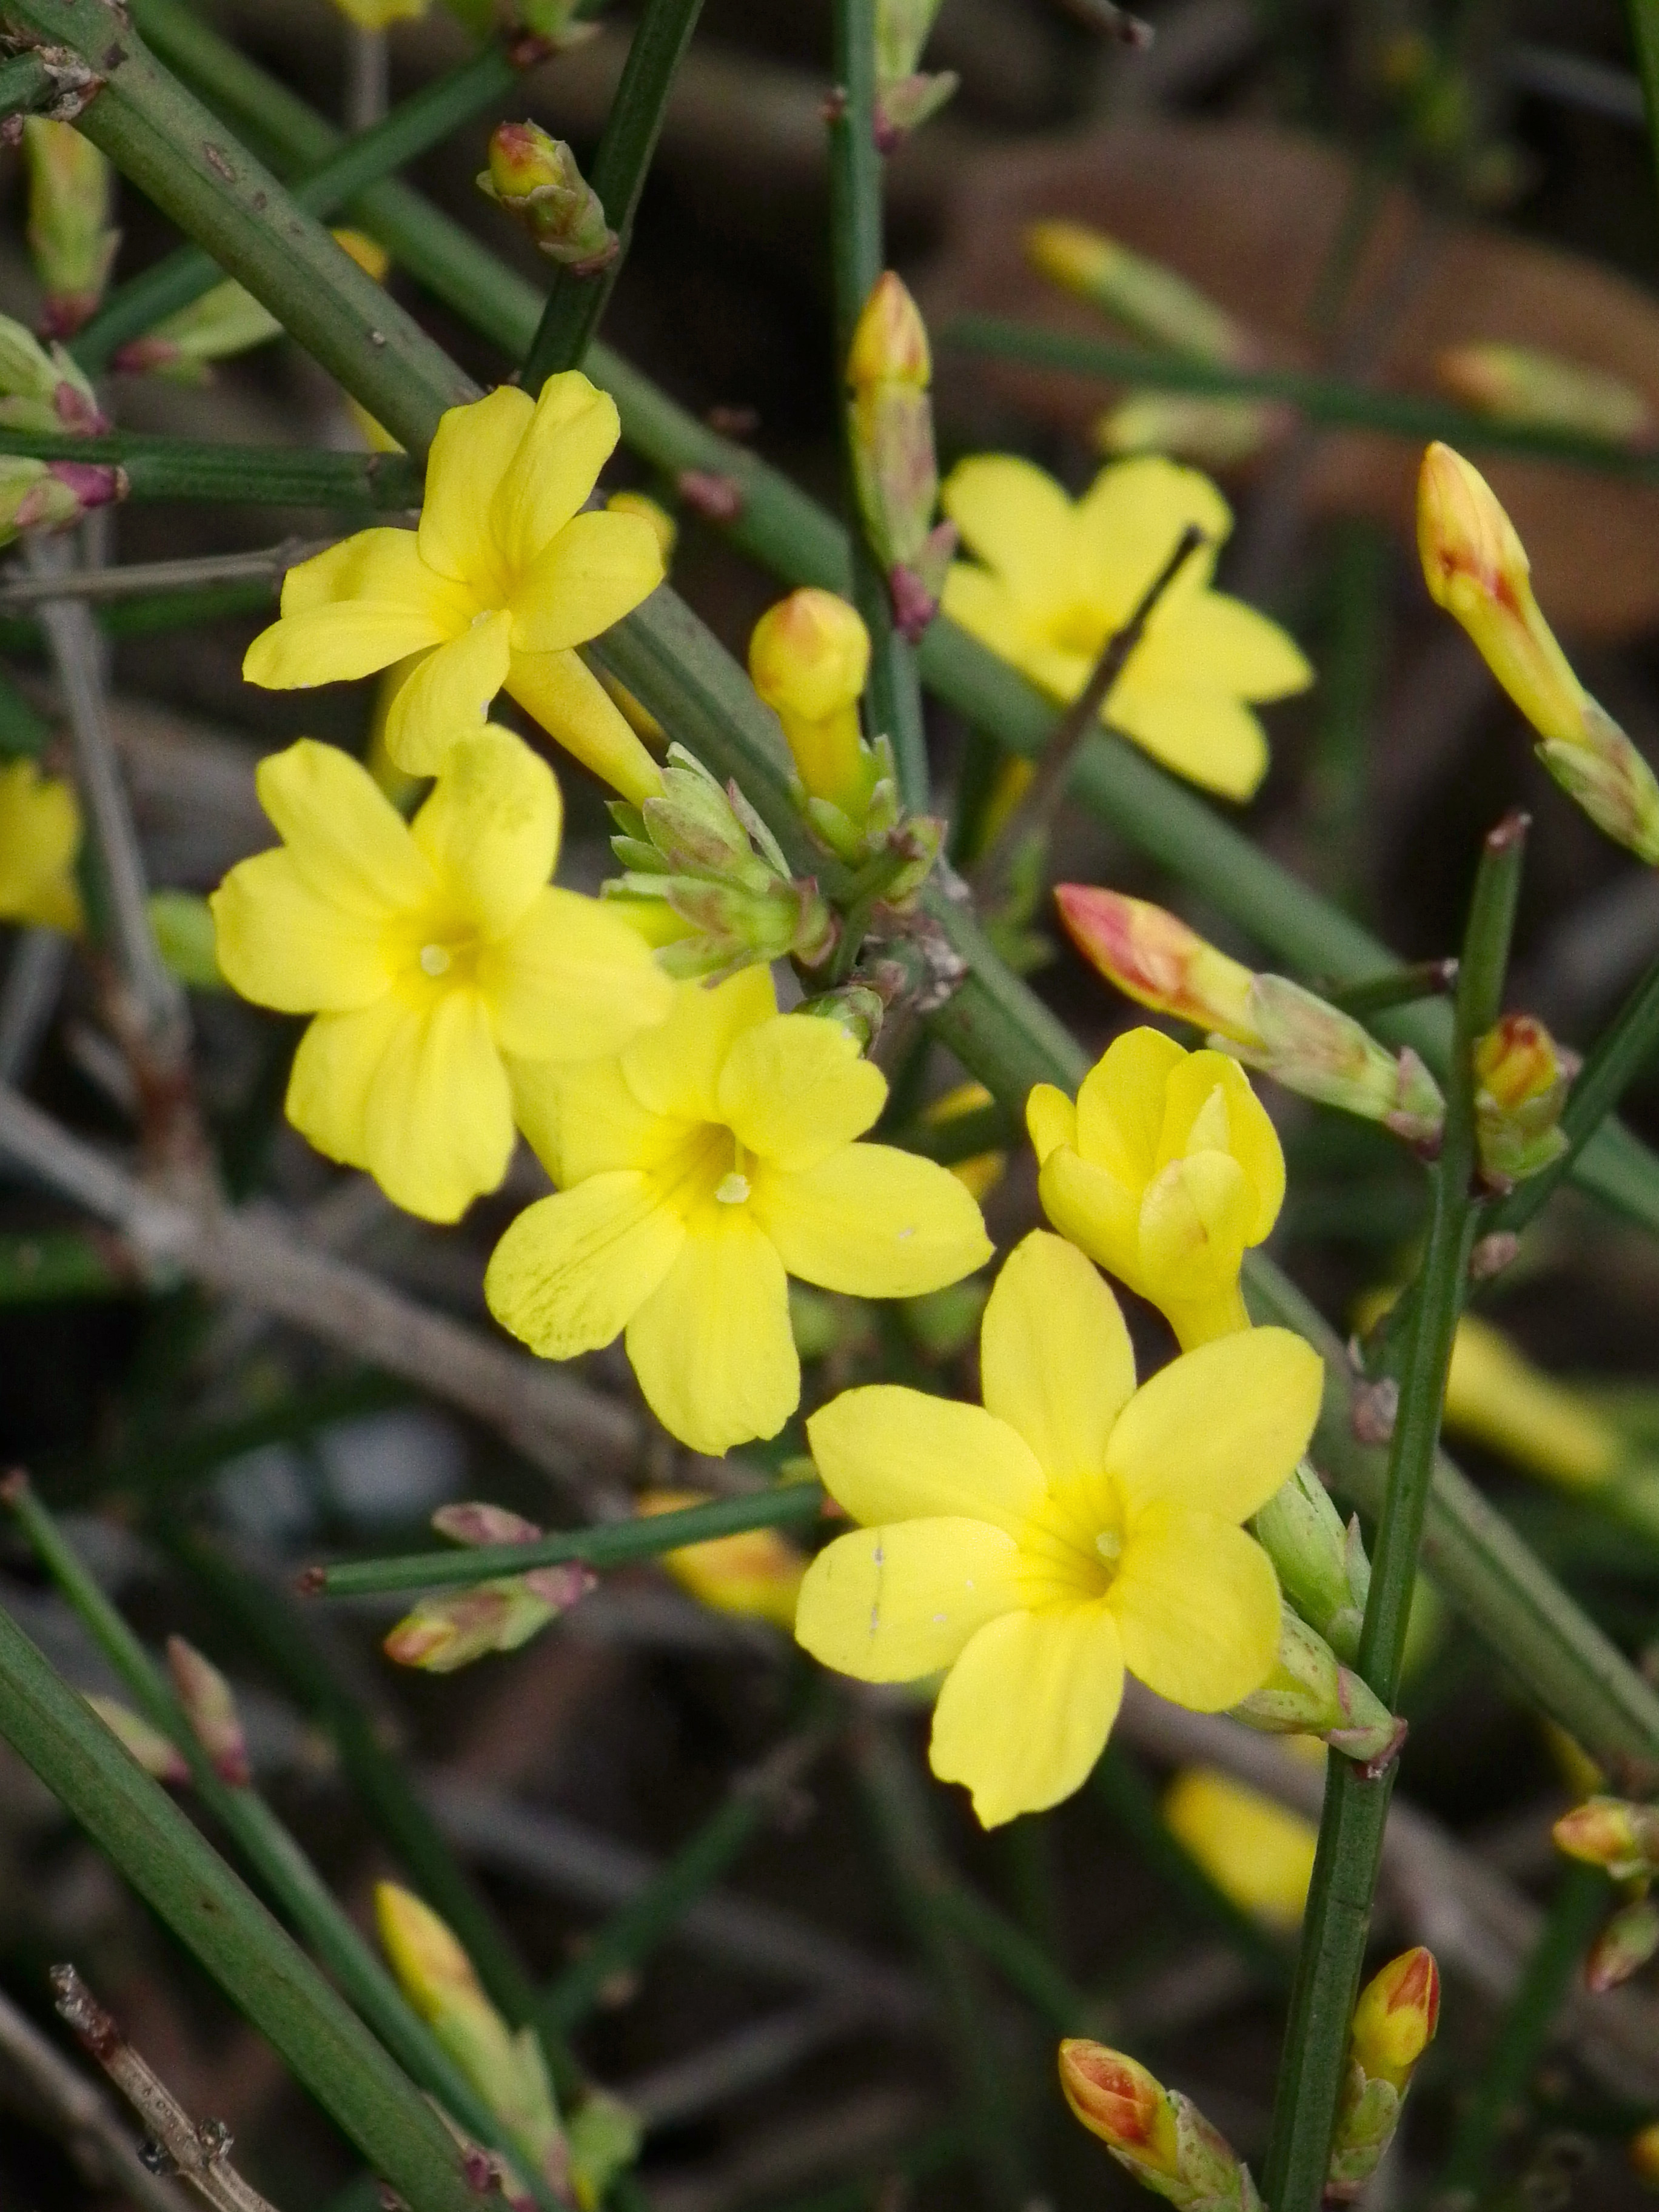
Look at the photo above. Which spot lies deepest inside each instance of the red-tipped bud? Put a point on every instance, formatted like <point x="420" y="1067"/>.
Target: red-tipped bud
<point x="1521" y="1080"/>
<point x="1394" y="2022"/>
<point x="1117" y="2100"/>
<point x="211" y="1711"/>
<point x="1610" y="1833"/>
<point x="1154" y="959"/>
<point x="535" y="176"/>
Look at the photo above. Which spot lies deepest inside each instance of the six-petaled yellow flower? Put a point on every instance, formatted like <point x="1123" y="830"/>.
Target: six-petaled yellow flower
<point x="1164" y="1170"/>
<point x="1053" y="579"/>
<point x="713" y="1159"/>
<point x="1071" y="1528"/>
<point x="506" y="576"/>
<point x="433" y="953"/>
<point x="39" y="837"/>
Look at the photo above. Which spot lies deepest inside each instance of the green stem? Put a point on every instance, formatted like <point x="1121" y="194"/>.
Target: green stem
<point x="1022" y="1963"/>
<point x="575" y="304"/>
<point x="57" y="1264"/>
<point x="260" y="1969"/>
<point x="610" y="1546"/>
<point x="266" y="476"/>
<point x="1350" y="1850"/>
<point x="26" y="83"/>
<point x="1325" y="400"/>
<point x="264" y="1842"/>
<point x="418" y="124"/>
<point x="1574" y="1915"/>
<point x="1402" y="987"/>
<point x="1644" y="37"/>
<point x="857" y="256"/>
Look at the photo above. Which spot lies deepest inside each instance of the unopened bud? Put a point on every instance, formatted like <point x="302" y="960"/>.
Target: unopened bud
<point x="1214" y="433"/>
<point x="161" y="1760"/>
<point x="602" y="2137"/>
<point x="224" y="322"/>
<point x="1521" y="1080"/>
<point x="1310" y="1692"/>
<point x="535" y="176"/>
<point x="906" y="94"/>
<point x="1157" y="2134"/>
<point x="42" y="388"/>
<point x="858" y="1006"/>
<point x="475" y="1522"/>
<point x="450" y="1631"/>
<point x="1523" y="384"/>
<point x="1154" y="302"/>
<point x="646" y="510"/>
<point x="756" y="1576"/>
<point x="71" y="239"/>
<point x="1624" y="1946"/>
<point x="809" y="657"/>
<point x="53" y="495"/>
<point x="1612" y="1832"/>
<point x="211" y="1709"/>
<point x="1154" y="959"/>
<point x="1321" y="1565"/>
<point x="1495" y="1394"/>
<point x="903" y="104"/>
<point x="1394" y="2025"/>
<point x="894" y="467"/>
<point x="556" y="24"/>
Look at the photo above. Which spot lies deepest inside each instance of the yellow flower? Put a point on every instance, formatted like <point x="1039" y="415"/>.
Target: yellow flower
<point x="39" y="837"/>
<point x="1164" y="1170"/>
<point x="808" y="657"/>
<point x="1261" y="1855"/>
<point x="1495" y="1394"/>
<point x="717" y="1153"/>
<point x="505" y="577"/>
<point x="433" y="953"/>
<point x="1058" y="577"/>
<point x="756" y="1576"/>
<point x="1074" y="1527"/>
<point x="375" y="15"/>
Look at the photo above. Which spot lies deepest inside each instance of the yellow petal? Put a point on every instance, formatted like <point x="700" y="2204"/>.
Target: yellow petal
<point x="1220" y="1428"/>
<point x="598" y="569"/>
<point x="470" y="457"/>
<point x="1019" y="522"/>
<point x="987" y="609"/>
<point x="329" y="1084"/>
<point x="439" y="1117"/>
<point x="382" y="565"/>
<point x="1055" y="1360"/>
<point x="1261" y="1856"/>
<point x="1209" y="737"/>
<point x="571" y="704"/>
<point x="1123" y="1103"/>
<point x="584" y="1120"/>
<point x="1025" y="1712"/>
<point x="1094" y="1212"/>
<point x="282" y="945"/>
<point x="345" y="837"/>
<point x="1197" y="1603"/>
<point x="573" y="1270"/>
<point x="1129" y="522"/>
<point x="712" y="1346"/>
<point x="888" y="1453"/>
<point x="889" y="1604"/>
<point x="1250" y="1136"/>
<point x="795" y="1089"/>
<point x="491" y="828"/>
<point x="572" y="982"/>
<point x="872" y="1221"/>
<point x="1050" y="1120"/>
<point x="448" y="696"/>
<point x="568" y="441"/>
<point x="676" y="1069"/>
<point x="335" y="644"/>
<point x="1214" y="643"/>
<point x="1193" y="1222"/>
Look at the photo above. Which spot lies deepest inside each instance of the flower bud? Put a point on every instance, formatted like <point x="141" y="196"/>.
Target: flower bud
<point x="161" y="1760"/>
<point x="71" y="241"/>
<point x="859" y="1006"/>
<point x="53" y="495"/>
<point x="1156" y="303"/>
<point x="1394" y="2025"/>
<point x="756" y="1576"/>
<point x="1255" y="1850"/>
<point x="1157" y="2134"/>
<point x="1521" y="1080"/>
<point x="1523" y="384"/>
<point x="211" y="1709"/>
<point x="1154" y="959"/>
<point x="1624" y="1946"/>
<point x="1321" y="1565"/>
<point x="42" y="388"/>
<point x="1309" y="1693"/>
<point x="536" y="179"/>
<point x="602" y="2137"/>
<point x="656" y="518"/>
<point x="1611" y="1833"/>
<point x="809" y="657"/>
<point x="906" y="94"/>
<point x="1213" y="433"/>
<point x="450" y="1630"/>
<point x="555" y="24"/>
<point x="224" y="322"/>
<point x="1495" y="1394"/>
<point x="891" y="437"/>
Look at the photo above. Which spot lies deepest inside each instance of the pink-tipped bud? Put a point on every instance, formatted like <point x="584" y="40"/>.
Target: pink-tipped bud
<point x="1624" y="1946"/>
<point x="1394" y="2022"/>
<point x="1117" y="2100"/>
<point x="1611" y="1833"/>
<point x="161" y="1760"/>
<point x="451" y="1630"/>
<point x="211" y="1709"/>
<point x="1154" y="959"/>
<point x="475" y="1523"/>
<point x="536" y="178"/>
<point x="1522" y="1077"/>
<point x="71" y="239"/>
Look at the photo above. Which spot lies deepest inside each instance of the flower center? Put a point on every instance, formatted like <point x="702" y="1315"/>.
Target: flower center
<point x="435" y="960"/>
<point x="1071" y="1548"/>
<point x="1079" y="629"/>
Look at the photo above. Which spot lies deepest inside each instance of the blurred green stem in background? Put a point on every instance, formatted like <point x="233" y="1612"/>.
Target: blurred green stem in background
<point x="1351" y="673"/>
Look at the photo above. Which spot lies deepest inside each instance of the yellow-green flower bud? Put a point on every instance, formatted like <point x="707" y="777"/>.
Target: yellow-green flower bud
<point x="53" y="495"/>
<point x="1612" y="1832"/>
<point x="808" y="657"/>
<point x="186" y="940"/>
<point x="1156" y="2134"/>
<point x="1212" y="431"/>
<point x="1321" y="1565"/>
<point x="1523" y="384"/>
<point x="211" y="1709"/>
<point x="536" y="178"/>
<point x="42" y="389"/>
<point x="891" y="435"/>
<point x="1394" y="2025"/>
<point x="1521" y="1080"/>
<point x="1310" y="1692"/>
<point x="1154" y="302"/>
<point x="1624" y="1946"/>
<point x="161" y="1760"/>
<point x="453" y="1628"/>
<point x="71" y="239"/>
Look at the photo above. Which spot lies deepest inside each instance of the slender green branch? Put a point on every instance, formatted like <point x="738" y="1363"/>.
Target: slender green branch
<point x="1403" y="986"/>
<point x="1580" y="1900"/>
<point x="1644" y="36"/>
<point x="1023" y="1964"/>
<point x="419" y="123"/>
<point x="575" y="304"/>
<point x="263" y="1972"/>
<point x="610" y="1546"/>
<point x="857" y="256"/>
<point x="266" y="1846"/>
<point x="26" y="83"/>
<point x="265" y="475"/>
<point x="1324" y="400"/>
<point x="1350" y="1849"/>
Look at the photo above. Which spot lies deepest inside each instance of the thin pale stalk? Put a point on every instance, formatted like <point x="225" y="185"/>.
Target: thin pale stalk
<point x="609" y="1544"/>
<point x="73" y="2110"/>
<point x="368" y="75"/>
<point x="95" y="586"/>
<point x="575" y="304"/>
<point x="1350" y="1851"/>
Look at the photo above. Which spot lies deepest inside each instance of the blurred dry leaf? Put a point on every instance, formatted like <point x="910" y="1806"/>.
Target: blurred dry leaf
<point x="1250" y="214"/>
